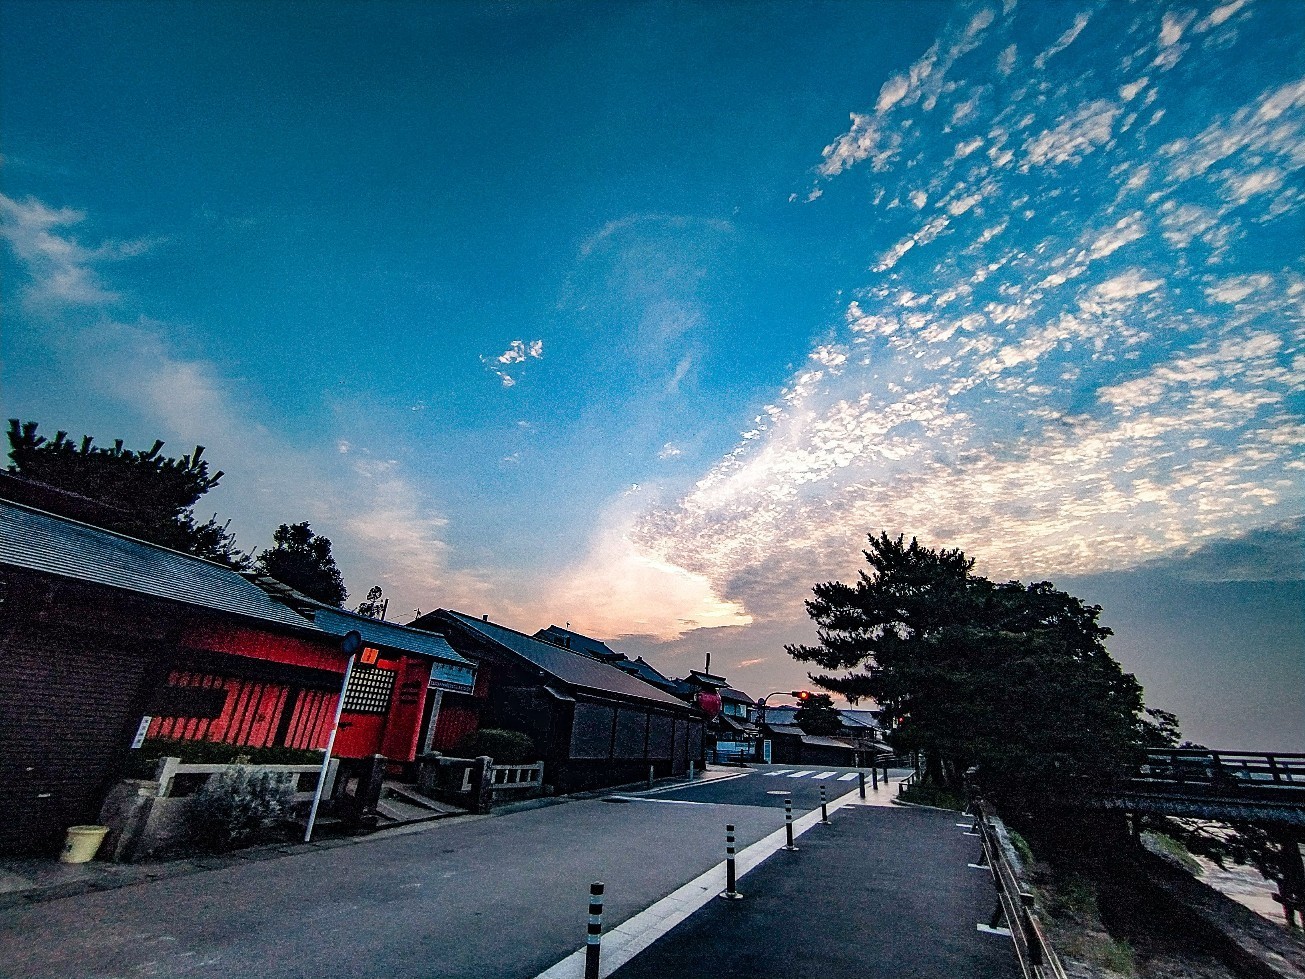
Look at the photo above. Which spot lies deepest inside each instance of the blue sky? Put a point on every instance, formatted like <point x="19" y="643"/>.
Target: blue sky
<point x="641" y="316"/>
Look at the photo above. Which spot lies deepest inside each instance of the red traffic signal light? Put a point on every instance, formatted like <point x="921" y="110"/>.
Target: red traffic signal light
<point x="803" y="695"/>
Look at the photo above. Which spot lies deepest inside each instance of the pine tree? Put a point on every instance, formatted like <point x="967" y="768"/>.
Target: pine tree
<point x="303" y="560"/>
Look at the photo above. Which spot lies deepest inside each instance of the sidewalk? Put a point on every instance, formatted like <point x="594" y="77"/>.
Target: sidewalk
<point x="883" y="891"/>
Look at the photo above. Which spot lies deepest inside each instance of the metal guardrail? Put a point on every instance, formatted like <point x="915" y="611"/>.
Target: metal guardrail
<point x="1037" y="958"/>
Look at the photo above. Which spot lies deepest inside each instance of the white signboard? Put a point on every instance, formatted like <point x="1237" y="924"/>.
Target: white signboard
<point x="141" y="731"/>
<point x="765" y="751"/>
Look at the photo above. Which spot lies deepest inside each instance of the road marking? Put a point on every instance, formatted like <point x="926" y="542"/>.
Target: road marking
<point x="989" y="930"/>
<point x="799" y="774"/>
<point x="782" y="771"/>
<point x="848" y="777"/>
<point x="695" y="784"/>
<point x="632" y="936"/>
<point x="664" y="802"/>
<point x="817" y="778"/>
<point x="977" y="866"/>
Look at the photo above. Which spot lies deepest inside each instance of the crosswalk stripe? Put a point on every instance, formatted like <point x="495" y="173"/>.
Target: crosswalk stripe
<point x="799" y="774"/>
<point x="817" y="778"/>
<point x="782" y="771"/>
<point x="848" y="777"/>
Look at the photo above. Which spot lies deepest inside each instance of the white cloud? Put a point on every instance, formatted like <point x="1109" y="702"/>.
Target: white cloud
<point x="518" y="352"/>
<point x="1064" y="41"/>
<point x="1074" y="136"/>
<point x="670" y="451"/>
<point x="62" y="271"/>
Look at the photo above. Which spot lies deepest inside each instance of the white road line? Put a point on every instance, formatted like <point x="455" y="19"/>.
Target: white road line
<point x="664" y="802"/>
<point x="848" y="777"/>
<point x="695" y="784"/>
<point x="799" y="774"/>
<point x="782" y="771"/>
<point x="817" y="778"/>
<point x="631" y="937"/>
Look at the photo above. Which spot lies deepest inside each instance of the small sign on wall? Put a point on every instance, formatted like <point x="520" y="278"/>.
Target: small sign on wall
<point x="141" y="731"/>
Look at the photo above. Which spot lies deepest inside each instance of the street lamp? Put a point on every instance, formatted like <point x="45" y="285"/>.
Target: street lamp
<point x="800" y="695"/>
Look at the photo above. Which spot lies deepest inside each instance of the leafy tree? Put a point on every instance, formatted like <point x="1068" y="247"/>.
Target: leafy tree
<point x="140" y="493"/>
<point x="1012" y="678"/>
<point x="818" y="715"/>
<point x="374" y="605"/>
<point x="301" y="559"/>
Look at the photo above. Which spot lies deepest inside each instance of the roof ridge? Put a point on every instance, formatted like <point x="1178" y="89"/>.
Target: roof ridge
<point x="116" y="533"/>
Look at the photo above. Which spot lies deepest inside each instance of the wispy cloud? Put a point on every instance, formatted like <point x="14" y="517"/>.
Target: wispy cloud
<point x="61" y="270"/>
<point x="518" y="352"/>
<point x="1068" y="387"/>
<point x="384" y="528"/>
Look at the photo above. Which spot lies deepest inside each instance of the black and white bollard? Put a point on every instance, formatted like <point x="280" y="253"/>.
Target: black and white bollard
<point x="788" y="822"/>
<point x="861" y="783"/>
<point x="692" y="772"/>
<point x="874" y="780"/>
<point x="650" y="776"/>
<point x="731" y="877"/>
<point x="594" y="940"/>
<point x="824" y="806"/>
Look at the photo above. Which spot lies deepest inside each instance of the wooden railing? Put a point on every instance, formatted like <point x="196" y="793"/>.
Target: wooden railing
<point x="1224" y="769"/>
<point x="1033" y="949"/>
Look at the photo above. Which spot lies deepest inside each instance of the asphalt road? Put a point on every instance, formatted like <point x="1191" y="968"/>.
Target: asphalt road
<point x="502" y="896"/>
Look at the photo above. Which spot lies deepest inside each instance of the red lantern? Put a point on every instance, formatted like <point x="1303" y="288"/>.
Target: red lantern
<point x="709" y="703"/>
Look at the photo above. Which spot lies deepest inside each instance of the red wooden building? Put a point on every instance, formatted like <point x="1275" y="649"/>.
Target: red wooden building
<point x="104" y="638"/>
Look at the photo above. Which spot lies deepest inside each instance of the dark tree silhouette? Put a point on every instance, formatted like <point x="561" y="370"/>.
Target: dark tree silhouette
<point x="1015" y="679"/>
<point x="143" y="493"/>
<point x="373" y="606"/>
<point x="301" y="559"/>
<point x="818" y="715"/>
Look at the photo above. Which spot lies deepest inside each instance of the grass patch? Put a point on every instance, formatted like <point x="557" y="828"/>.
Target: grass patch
<point x="1172" y="850"/>
<point x="933" y="795"/>
<point x="1021" y="846"/>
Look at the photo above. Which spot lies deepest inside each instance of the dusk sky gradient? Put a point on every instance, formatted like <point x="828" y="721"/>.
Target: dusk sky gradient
<point x="641" y="316"/>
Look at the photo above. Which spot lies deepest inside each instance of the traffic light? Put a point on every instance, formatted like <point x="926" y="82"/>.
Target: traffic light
<point x="802" y="695"/>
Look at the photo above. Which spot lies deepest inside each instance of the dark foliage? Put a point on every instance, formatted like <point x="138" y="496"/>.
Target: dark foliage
<point x="373" y="606"/>
<point x="1013" y="678"/>
<point x="301" y="559"/>
<point x="818" y="715"/>
<point x="505" y="747"/>
<point x="142" y="494"/>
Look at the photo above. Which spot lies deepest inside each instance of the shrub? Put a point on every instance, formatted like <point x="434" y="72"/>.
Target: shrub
<point x="505" y="747"/>
<point x="144" y="760"/>
<point x="236" y="805"/>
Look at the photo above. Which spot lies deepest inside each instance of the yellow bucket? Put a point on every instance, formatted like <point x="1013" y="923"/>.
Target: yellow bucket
<point x="82" y="843"/>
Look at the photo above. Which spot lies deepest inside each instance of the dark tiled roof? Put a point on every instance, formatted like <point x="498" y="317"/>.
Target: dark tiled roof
<point x="735" y="696"/>
<point x="641" y="667"/>
<point x="390" y="634"/>
<point x="44" y="542"/>
<point x="570" y="667"/>
<point x="577" y="642"/>
<point x="859" y="718"/>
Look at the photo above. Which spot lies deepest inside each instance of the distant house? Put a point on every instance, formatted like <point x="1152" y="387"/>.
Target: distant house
<point x="599" y="650"/>
<point x="790" y="745"/>
<point x="734" y="730"/>
<point x="594" y="724"/>
<point x="107" y="641"/>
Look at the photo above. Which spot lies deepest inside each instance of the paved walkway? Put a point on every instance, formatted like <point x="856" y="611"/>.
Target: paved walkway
<point x="882" y="890"/>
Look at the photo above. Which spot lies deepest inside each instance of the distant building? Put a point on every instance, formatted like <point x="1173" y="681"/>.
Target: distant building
<point x="593" y="723"/>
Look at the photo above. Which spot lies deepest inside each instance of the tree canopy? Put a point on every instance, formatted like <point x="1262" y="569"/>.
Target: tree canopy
<point x="1013" y="678"/>
<point x="141" y="493"/>
<point x="818" y="715"/>
<point x="303" y="560"/>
